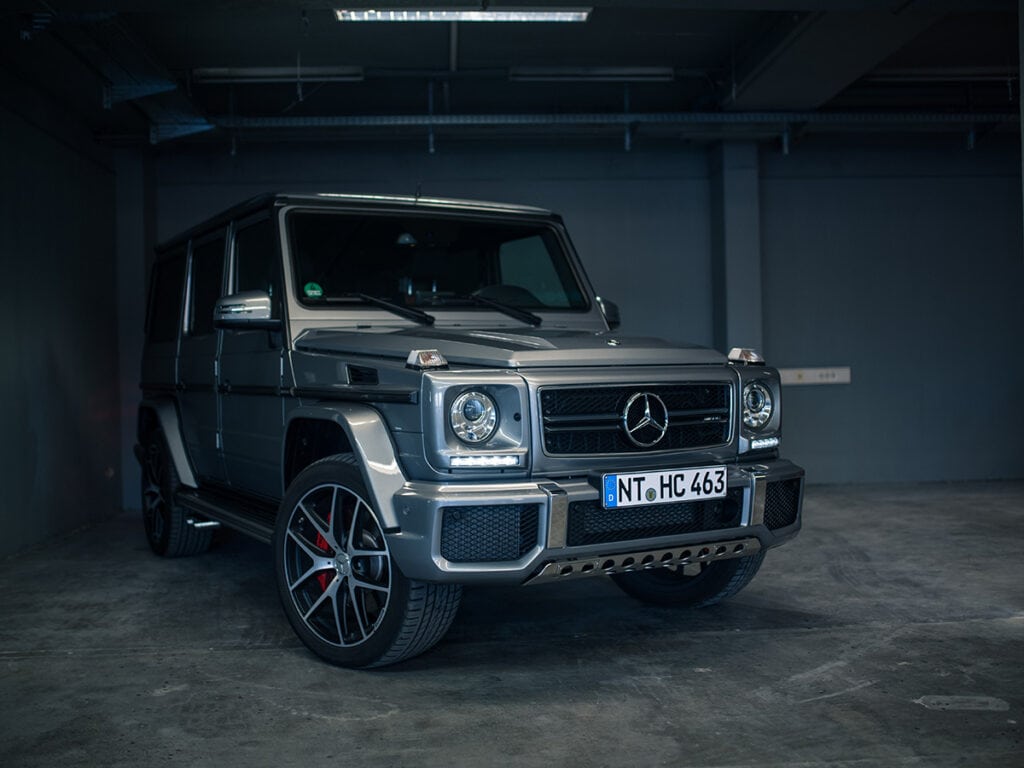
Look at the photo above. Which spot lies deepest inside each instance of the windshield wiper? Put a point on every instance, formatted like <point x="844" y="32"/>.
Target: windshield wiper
<point x="518" y="313"/>
<point x="394" y="307"/>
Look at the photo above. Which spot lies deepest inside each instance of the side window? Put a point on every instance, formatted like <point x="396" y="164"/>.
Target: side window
<point x="207" y="269"/>
<point x="168" y="280"/>
<point x="256" y="263"/>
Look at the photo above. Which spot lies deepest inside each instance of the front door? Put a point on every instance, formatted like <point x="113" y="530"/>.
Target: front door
<point x="254" y="367"/>
<point x="200" y="408"/>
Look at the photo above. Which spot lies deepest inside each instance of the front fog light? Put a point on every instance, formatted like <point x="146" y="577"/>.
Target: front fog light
<point x="473" y="417"/>
<point x="757" y="405"/>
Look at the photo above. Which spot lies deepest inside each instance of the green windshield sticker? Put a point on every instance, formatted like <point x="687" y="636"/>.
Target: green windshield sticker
<point x="313" y="290"/>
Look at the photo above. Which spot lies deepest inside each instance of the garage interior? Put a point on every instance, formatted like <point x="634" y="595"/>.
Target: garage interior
<point x="837" y="184"/>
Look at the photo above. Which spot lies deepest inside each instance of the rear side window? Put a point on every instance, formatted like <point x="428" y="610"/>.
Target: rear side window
<point x="165" y="298"/>
<point x="256" y="264"/>
<point x="207" y="269"/>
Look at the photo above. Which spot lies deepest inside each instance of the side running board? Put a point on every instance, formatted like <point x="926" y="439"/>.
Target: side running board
<point x="251" y="518"/>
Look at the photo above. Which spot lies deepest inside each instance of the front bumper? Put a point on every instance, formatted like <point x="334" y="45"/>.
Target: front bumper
<point x="549" y="529"/>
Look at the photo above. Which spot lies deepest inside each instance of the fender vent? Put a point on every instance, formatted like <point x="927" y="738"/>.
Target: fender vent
<point x="361" y="374"/>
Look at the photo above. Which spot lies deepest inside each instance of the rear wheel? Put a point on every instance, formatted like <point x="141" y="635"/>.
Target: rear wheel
<point x="713" y="583"/>
<point x="167" y="531"/>
<point x="340" y="588"/>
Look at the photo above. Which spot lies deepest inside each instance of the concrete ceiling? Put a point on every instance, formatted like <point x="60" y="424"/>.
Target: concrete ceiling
<point x="199" y="71"/>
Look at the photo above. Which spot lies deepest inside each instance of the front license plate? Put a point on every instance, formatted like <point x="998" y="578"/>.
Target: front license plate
<point x="664" y="487"/>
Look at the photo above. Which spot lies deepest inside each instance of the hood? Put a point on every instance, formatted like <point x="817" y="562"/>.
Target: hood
<point x="530" y="348"/>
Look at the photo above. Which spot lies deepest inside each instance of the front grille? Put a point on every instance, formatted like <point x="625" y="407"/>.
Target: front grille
<point x="488" y="533"/>
<point x="590" y="523"/>
<point x="781" y="503"/>
<point x="588" y="420"/>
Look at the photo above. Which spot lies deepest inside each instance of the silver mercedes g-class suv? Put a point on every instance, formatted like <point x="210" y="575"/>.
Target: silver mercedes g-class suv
<point x="406" y="395"/>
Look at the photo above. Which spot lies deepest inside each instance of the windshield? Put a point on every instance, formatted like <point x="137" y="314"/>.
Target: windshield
<point x="429" y="261"/>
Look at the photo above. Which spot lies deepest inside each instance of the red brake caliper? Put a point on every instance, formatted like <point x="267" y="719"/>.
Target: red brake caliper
<point x="324" y="577"/>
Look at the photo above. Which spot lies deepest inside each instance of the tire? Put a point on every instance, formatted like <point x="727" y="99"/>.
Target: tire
<point x="715" y="582"/>
<point x="166" y="530"/>
<point x="341" y="590"/>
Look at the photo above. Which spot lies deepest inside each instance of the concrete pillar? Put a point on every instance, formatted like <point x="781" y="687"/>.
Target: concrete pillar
<point x="134" y="201"/>
<point x="736" y="246"/>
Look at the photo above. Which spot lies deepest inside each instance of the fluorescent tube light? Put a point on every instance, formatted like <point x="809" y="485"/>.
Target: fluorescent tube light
<point x="424" y="14"/>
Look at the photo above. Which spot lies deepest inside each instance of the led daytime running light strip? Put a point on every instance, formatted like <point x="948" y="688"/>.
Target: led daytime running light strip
<point x="507" y="460"/>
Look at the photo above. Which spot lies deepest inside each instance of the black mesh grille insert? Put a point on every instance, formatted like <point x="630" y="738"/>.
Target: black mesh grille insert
<point x="781" y="503"/>
<point x="488" y="533"/>
<point x="588" y="420"/>
<point x="590" y="523"/>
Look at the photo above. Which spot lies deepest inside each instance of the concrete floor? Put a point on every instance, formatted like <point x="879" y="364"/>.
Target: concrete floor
<point x="890" y="633"/>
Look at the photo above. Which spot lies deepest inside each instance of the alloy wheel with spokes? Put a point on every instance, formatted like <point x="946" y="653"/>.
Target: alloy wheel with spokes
<point x="167" y="529"/>
<point x="154" y="502"/>
<point x="340" y="587"/>
<point x="337" y="565"/>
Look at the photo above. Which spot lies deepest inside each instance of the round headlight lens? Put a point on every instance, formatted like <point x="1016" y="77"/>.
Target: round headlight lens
<point x="757" y="405"/>
<point x="473" y="417"/>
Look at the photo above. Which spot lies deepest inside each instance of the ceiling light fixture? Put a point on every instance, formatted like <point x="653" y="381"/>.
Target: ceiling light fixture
<point x="450" y="15"/>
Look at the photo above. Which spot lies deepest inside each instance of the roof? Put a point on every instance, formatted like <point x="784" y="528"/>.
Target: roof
<point x="345" y="201"/>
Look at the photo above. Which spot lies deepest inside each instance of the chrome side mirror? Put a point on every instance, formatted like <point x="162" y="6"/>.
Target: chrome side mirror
<point x="610" y="310"/>
<point x="245" y="310"/>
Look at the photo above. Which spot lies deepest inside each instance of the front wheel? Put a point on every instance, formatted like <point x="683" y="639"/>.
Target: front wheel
<point x="713" y="583"/>
<point x="342" y="592"/>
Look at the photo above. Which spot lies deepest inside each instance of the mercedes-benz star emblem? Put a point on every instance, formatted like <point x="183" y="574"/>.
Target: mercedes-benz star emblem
<point x="645" y="419"/>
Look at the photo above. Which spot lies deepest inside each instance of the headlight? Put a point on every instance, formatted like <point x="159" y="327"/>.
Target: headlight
<point x="473" y="417"/>
<point x="757" y="405"/>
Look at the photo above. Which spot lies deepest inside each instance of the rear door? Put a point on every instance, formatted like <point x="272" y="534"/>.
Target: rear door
<point x="163" y="324"/>
<point x="200" y="407"/>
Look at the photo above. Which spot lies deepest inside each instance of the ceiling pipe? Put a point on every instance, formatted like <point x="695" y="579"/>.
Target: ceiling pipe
<point x="858" y="119"/>
<point x="942" y="75"/>
<point x="453" y="47"/>
<point x="261" y="75"/>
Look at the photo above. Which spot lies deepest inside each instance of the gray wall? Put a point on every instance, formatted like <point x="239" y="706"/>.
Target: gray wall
<point x="60" y="456"/>
<point x="906" y="264"/>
